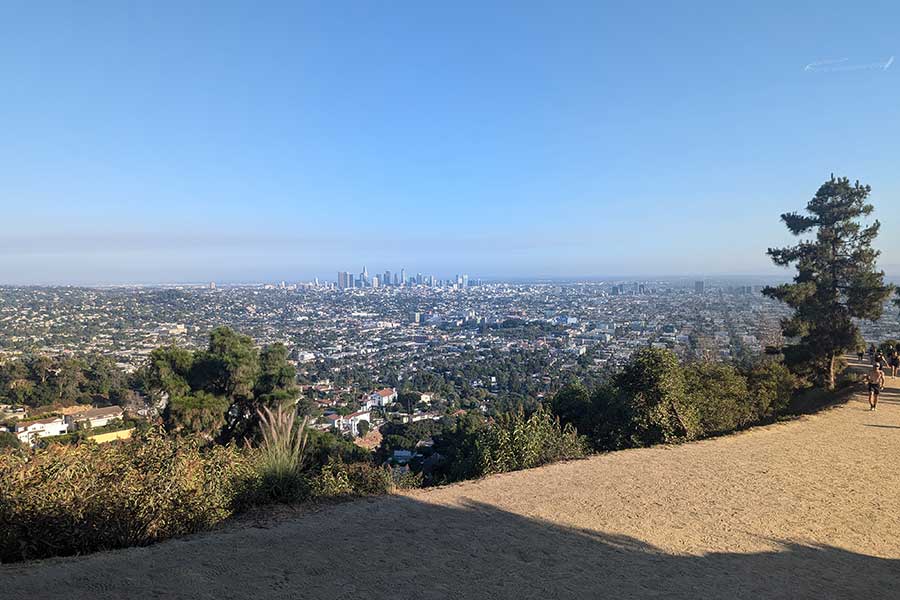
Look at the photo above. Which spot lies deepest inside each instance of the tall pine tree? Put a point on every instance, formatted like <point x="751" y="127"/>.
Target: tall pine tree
<point x="837" y="280"/>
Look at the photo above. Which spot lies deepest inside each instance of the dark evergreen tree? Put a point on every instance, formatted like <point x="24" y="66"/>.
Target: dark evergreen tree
<point x="837" y="280"/>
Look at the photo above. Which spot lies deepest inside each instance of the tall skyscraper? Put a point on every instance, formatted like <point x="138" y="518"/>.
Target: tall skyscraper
<point x="402" y="276"/>
<point x="386" y="280"/>
<point x="699" y="287"/>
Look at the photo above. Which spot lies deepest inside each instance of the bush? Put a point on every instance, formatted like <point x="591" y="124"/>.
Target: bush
<point x="337" y="479"/>
<point x="407" y="480"/>
<point x="66" y="500"/>
<point x="332" y="481"/>
<point x="9" y="440"/>
<point x="572" y="404"/>
<point x="771" y="386"/>
<point x="515" y="442"/>
<point x="655" y="400"/>
<point x="718" y="394"/>
<point x="199" y="413"/>
<point x="653" y="407"/>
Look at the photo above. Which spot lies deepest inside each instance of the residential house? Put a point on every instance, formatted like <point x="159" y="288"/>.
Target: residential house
<point x="348" y="423"/>
<point x="29" y="431"/>
<point x="93" y="417"/>
<point x="382" y="398"/>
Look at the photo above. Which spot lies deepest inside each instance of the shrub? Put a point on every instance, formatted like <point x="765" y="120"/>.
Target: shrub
<point x="198" y="413"/>
<point x="407" y="480"/>
<point x="324" y="445"/>
<point x="771" y="386"/>
<point x="66" y="500"/>
<point x="515" y="442"/>
<point x="367" y="479"/>
<point x="718" y="394"/>
<point x="9" y="440"/>
<point x="652" y="406"/>
<point x="338" y="479"/>
<point x="572" y="404"/>
<point x="457" y="445"/>
<point x="332" y="481"/>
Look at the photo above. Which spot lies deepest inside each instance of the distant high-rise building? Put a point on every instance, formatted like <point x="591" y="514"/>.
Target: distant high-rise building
<point x="376" y="281"/>
<point x="396" y="279"/>
<point x="402" y="276"/>
<point x="386" y="280"/>
<point x="465" y="281"/>
<point x="699" y="287"/>
<point x="212" y="285"/>
<point x="345" y="280"/>
<point x="418" y="279"/>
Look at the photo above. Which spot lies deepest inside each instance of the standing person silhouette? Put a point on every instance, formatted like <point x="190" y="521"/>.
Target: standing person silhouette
<point x="875" y="379"/>
<point x="894" y="362"/>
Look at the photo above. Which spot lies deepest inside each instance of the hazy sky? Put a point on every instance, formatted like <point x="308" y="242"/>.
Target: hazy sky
<point x="184" y="141"/>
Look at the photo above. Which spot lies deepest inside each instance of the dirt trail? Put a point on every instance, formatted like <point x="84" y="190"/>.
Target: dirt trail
<point x="803" y="509"/>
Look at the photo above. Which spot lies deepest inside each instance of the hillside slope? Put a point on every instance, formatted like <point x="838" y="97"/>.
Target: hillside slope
<point x="804" y="509"/>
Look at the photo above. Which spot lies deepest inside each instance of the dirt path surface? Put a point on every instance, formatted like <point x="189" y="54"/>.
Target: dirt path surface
<point x="804" y="509"/>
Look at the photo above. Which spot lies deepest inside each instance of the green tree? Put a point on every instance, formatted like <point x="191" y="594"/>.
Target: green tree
<point x="229" y="368"/>
<point x="408" y="400"/>
<point x="198" y="413"/>
<point x="836" y="282"/>
<point x="362" y="428"/>
<point x="275" y="372"/>
<point x="718" y="393"/>
<point x="573" y="405"/>
<point x="9" y="440"/>
<point x="168" y="371"/>
<point x="771" y="385"/>
<point x="652" y="405"/>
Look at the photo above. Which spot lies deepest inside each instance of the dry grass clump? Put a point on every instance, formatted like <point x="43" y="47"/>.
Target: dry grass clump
<point x="281" y="455"/>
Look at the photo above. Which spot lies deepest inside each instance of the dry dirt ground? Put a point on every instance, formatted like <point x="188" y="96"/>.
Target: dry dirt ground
<point x="802" y="509"/>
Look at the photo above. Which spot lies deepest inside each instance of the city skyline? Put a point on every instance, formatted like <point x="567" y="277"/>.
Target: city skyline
<point x="259" y="145"/>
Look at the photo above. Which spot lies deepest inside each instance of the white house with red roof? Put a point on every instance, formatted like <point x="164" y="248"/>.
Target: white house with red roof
<point x="381" y="398"/>
<point x="348" y="423"/>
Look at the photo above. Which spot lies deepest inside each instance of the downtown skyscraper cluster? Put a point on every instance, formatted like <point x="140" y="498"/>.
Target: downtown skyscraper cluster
<point x="347" y="280"/>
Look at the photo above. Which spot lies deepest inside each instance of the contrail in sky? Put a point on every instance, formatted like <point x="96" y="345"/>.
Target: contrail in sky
<point x="839" y="64"/>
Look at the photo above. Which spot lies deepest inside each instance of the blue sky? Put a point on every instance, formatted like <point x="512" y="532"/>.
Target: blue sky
<point x="183" y="141"/>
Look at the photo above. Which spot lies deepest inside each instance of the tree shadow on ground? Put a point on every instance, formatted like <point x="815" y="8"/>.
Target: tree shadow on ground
<point x="399" y="547"/>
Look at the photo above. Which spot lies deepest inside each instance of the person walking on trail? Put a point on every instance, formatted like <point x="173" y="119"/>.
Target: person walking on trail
<point x="894" y="362"/>
<point x="875" y="379"/>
